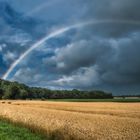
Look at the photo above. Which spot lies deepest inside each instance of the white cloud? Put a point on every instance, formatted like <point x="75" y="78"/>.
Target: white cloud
<point x="9" y="56"/>
<point x="2" y="46"/>
<point x="84" y="77"/>
<point x="18" y="37"/>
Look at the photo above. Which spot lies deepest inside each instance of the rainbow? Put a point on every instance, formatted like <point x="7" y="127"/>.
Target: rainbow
<point x="59" y="32"/>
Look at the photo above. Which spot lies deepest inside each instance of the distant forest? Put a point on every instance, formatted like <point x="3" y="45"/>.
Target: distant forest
<point x="15" y="90"/>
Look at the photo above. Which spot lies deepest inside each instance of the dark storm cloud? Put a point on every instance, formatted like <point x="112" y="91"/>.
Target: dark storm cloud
<point x="123" y="66"/>
<point x="78" y="54"/>
<point x="117" y="61"/>
<point x="115" y="9"/>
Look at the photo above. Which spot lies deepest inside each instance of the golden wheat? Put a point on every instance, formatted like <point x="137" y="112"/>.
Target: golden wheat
<point x="81" y="121"/>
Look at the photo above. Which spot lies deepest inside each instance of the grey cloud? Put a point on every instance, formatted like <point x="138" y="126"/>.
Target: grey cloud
<point x="27" y="75"/>
<point x="117" y="60"/>
<point x="115" y="9"/>
<point x="124" y="68"/>
<point x="79" y="54"/>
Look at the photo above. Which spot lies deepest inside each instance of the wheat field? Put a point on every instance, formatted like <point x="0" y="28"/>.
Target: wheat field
<point x="78" y="121"/>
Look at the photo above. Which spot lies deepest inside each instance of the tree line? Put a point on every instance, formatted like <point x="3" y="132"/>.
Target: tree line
<point x="15" y="90"/>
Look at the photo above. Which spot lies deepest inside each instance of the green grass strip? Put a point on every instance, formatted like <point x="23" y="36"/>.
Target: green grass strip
<point x="9" y="131"/>
<point x="96" y="100"/>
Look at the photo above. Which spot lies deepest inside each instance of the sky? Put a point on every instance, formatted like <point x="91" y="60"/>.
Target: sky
<point x="102" y="55"/>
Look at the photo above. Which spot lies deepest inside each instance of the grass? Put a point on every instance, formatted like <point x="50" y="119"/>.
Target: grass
<point x="18" y="130"/>
<point x="10" y="131"/>
<point x="96" y="100"/>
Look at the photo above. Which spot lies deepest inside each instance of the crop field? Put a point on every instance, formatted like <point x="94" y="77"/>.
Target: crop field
<point x="77" y="120"/>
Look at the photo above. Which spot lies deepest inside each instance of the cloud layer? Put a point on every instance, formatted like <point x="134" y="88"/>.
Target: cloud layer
<point x="103" y="56"/>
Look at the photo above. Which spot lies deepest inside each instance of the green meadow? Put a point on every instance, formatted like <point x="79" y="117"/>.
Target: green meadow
<point x="9" y="131"/>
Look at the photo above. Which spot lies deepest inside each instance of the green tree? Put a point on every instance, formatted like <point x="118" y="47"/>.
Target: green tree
<point x="12" y="92"/>
<point x="23" y="94"/>
<point x="1" y="93"/>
